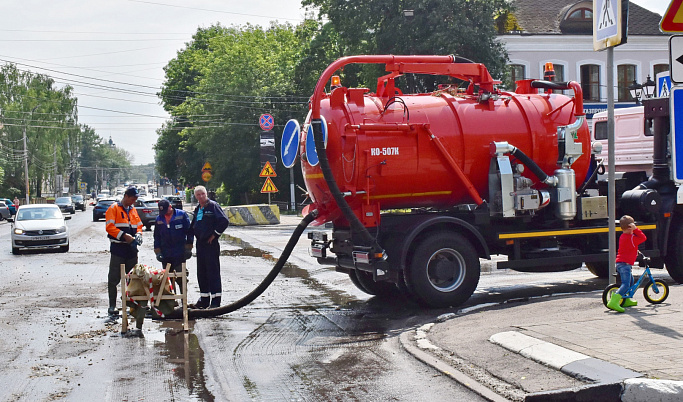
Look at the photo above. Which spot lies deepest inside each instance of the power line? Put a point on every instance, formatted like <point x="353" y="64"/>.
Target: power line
<point x="214" y="11"/>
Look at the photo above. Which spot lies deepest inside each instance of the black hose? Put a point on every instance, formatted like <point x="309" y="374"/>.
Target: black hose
<point x="356" y="225"/>
<point x="251" y="296"/>
<point x="549" y="85"/>
<point x="535" y="169"/>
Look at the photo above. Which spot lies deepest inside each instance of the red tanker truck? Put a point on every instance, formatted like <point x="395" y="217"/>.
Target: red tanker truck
<point x="420" y="186"/>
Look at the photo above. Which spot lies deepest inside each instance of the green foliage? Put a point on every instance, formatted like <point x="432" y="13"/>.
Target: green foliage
<point x="56" y="143"/>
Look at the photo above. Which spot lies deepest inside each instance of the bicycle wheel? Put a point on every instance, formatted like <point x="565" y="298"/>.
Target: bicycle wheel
<point x="654" y="297"/>
<point x="608" y="292"/>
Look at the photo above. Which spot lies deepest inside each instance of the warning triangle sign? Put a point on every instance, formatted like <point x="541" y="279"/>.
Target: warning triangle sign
<point x="269" y="186"/>
<point x="267" y="171"/>
<point x="672" y="21"/>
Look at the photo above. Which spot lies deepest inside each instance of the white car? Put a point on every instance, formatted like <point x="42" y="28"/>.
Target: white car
<point x="39" y="226"/>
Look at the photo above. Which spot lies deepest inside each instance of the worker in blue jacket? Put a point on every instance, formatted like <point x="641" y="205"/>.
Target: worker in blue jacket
<point x="208" y="223"/>
<point x="172" y="238"/>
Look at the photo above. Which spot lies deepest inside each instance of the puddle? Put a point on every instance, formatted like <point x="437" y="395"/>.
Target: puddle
<point x="289" y="270"/>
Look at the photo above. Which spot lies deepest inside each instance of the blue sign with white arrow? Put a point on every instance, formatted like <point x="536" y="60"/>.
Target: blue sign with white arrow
<point x="289" y="148"/>
<point x="311" y="153"/>
<point x="676" y="102"/>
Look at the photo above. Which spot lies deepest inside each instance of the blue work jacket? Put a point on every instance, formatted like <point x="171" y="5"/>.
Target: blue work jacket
<point x="210" y="220"/>
<point x="172" y="237"/>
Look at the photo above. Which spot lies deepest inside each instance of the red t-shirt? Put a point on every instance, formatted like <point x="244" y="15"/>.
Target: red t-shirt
<point x="628" y="246"/>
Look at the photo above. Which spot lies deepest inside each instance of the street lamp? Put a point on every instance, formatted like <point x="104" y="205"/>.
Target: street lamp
<point x="636" y="91"/>
<point x="648" y="88"/>
<point x="26" y="155"/>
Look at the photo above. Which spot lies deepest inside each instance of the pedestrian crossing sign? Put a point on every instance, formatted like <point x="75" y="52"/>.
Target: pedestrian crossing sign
<point x="267" y="171"/>
<point x="269" y="186"/>
<point x="607" y="24"/>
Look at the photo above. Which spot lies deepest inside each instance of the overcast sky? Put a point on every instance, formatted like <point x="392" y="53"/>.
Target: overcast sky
<point x="121" y="46"/>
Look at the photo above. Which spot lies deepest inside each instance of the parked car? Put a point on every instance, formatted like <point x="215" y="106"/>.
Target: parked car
<point x="4" y="211"/>
<point x="79" y="202"/>
<point x="148" y="210"/>
<point x="10" y="205"/>
<point x="39" y="226"/>
<point x="176" y="202"/>
<point x="101" y="208"/>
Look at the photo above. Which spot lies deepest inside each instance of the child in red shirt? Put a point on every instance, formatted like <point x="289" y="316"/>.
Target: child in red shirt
<point x="626" y="257"/>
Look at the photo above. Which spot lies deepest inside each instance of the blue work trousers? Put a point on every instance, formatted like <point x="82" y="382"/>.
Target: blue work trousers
<point x="624" y="271"/>
<point x="209" y="269"/>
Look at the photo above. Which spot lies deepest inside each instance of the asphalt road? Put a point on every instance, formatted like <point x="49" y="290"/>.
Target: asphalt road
<point x="311" y="336"/>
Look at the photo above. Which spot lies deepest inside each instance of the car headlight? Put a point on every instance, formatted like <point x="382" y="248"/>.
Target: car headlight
<point x="18" y="231"/>
<point x="61" y="229"/>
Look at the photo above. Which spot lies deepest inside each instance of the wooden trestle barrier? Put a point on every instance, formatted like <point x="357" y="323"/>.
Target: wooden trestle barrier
<point x="158" y="297"/>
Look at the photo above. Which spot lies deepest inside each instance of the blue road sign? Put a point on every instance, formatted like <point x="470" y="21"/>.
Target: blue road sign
<point x="311" y="153"/>
<point x="676" y="108"/>
<point x="663" y="84"/>
<point x="289" y="148"/>
<point x="266" y="122"/>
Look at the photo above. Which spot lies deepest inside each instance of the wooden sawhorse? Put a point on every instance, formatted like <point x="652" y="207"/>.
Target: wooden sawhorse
<point x="159" y="296"/>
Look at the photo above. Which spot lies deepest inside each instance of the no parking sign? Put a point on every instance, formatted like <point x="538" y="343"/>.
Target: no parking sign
<point x="266" y="122"/>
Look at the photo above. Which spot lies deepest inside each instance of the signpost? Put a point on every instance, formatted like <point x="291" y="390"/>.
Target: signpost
<point x="607" y="33"/>
<point x="268" y="186"/>
<point x="676" y="58"/>
<point x="289" y="150"/>
<point x="206" y="172"/>
<point x="311" y="153"/>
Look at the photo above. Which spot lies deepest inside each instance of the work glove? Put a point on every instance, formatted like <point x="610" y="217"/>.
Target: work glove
<point x="188" y="254"/>
<point x="160" y="257"/>
<point x="138" y="239"/>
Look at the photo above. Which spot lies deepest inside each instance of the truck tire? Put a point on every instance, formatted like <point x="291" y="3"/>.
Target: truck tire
<point x="363" y="281"/>
<point x="599" y="269"/>
<point x="674" y="254"/>
<point x="444" y="270"/>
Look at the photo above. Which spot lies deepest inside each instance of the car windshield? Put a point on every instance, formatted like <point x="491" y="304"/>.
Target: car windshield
<point x="63" y="200"/>
<point x="39" y="214"/>
<point x="77" y="198"/>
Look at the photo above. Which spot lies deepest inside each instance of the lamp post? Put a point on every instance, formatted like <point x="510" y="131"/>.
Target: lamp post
<point x="26" y="155"/>
<point x="648" y="88"/>
<point x="636" y="91"/>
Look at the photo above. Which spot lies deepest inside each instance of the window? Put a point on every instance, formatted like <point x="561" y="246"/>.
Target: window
<point x="659" y="68"/>
<point x="582" y="14"/>
<point x="590" y="82"/>
<point x="600" y="130"/>
<point x="626" y="74"/>
<point x="516" y="72"/>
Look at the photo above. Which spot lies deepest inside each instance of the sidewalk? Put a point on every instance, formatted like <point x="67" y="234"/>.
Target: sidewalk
<point x="641" y="351"/>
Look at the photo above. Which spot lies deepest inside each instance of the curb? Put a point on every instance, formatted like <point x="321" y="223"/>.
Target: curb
<point x="442" y="366"/>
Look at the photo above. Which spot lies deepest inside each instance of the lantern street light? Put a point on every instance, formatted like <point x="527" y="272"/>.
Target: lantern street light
<point x="648" y="88"/>
<point x="636" y="91"/>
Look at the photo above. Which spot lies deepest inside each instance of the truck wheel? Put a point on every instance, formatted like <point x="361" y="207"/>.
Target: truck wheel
<point x="674" y="255"/>
<point x="599" y="269"/>
<point x="444" y="270"/>
<point x="363" y="281"/>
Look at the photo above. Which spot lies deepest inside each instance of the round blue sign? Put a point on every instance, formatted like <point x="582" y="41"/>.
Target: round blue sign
<point x="266" y="122"/>
<point x="311" y="153"/>
<point x="289" y="148"/>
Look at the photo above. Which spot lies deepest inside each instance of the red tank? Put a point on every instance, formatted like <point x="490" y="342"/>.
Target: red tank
<point x="389" y="150"/>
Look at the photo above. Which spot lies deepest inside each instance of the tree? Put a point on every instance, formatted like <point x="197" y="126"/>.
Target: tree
<point x="244" y="72"/>
<point x="466" y="28"/>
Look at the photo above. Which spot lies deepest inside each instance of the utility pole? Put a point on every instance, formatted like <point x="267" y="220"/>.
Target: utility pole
<point x="26" y="155"/>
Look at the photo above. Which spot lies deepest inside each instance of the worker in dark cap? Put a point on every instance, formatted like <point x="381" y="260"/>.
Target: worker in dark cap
<point x="124" y="231"/>
<point x="172" y="238"/>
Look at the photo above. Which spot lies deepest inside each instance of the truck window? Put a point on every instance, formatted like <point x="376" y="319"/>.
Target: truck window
<point x="601" y="130"/>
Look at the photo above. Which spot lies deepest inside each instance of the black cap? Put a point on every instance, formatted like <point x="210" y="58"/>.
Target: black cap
<point x="131" y="192"/>
<point x="164" y="205"/>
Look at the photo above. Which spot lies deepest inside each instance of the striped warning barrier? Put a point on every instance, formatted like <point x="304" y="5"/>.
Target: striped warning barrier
<point x="245" y="215"/>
